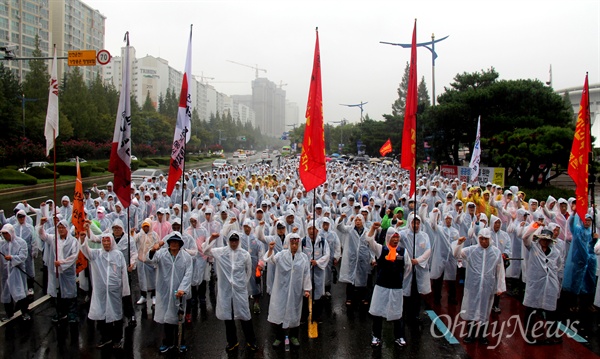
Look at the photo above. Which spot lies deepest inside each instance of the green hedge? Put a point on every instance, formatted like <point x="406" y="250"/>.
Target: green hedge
<point x="15" y="177"/>
<point x="98" y="169"/>
<point x="42" y="173"/>
<point x="141" y="164"/>
<point x="70" y="169"/>
<point x="103" y="164"/>
<point x="150" y="162"/>
<point x="162" y="161"/>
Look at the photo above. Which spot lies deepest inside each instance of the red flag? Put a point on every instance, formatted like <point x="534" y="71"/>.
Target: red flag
<point x="313" y="171"/>
<point x="409" y="133"/>
<point x="386" y="148"/>
<point x="579" y="158"/>
<point x="183" y="125"/>
<point x="120" y="154"/>
<point x="78" y="217"/>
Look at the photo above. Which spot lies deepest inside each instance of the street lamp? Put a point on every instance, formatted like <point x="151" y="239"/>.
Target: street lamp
<point x="342" y="123"/>
<point x="433" y="56"/>
<point x="360" y="105"/>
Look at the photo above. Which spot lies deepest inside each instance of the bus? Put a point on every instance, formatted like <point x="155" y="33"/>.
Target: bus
<point x="286" y="150"/>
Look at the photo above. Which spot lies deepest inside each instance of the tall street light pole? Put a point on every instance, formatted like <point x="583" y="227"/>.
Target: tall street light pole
<point x="360" y="105"/>
<point x="429" y="46"/>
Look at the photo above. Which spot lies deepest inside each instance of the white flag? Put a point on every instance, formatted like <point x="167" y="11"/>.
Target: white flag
<point x="51" y="129"/>
<point x="183" y="125"/>
<point x="120" y="155"/>
<point x="476" y="155"/>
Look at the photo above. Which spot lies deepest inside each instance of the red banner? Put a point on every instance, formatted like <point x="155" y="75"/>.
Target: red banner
<point x="580" y="152"/>
<point x="386" y="148"/>
<point x="78" y="218"/>
<point x="313" y="171"/>
<point x="409" y="133"/>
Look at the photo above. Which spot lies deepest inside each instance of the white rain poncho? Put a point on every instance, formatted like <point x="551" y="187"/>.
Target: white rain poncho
<point x="321" y="256"/>
<point x="126" y="244"/>
<point x="515" y="231"/>
<point x="356" y="256"/>
<point x="388" y="295"/>
<point x="500" y="239"/>
<point x="335" y="250"/>
<point x="597" y="298"/>
<point x="442" y="259"/>
<point x="27" y="233"/>
<point x="279" y="246"/>
<point x="68" y="250"/>
<point x="234" y="269"/>
<point x="484" y="278"/>
<point x="146" y="272"/>
<point x="172" y="274"/>
<point x="14" y="281"/>
<point x="257" y="250"/>
<point x="109" y="281"/>
<point x="420" y="243"/>
<point x="543" y="287"/>
<point x="200" y="260"/>
<point x="292" y="279"/>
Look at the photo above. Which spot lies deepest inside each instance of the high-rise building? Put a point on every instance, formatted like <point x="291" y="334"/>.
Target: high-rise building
<point x="292" y="113"/>
<point x="20" y="22"/>
<point x="268" y="103"/>
<point x="76" y="26"/>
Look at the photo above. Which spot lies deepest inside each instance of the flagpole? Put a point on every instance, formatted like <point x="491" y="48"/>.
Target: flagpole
<point x="590" y="166"/>
<point x="185" y="130"/>
<point x="55" y="214"/>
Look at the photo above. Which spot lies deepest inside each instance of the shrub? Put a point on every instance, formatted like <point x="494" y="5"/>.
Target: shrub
<point x="70" y="169"/>
<point x="98" y="169"/>
<point x="162" y="161"/>
<point x="150" y="162"/>
<point x="42" y="173"/>
<point x="15" y="177"/>
<point x="135" y="165"/>
<point x="141" y="163"/>
<point x="103" y="164"/>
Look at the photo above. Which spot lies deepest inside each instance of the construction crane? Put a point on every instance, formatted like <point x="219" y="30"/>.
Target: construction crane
<point x="204" y="78"/>
<point x="281" y="84"/>
<point x="255" y="67"/>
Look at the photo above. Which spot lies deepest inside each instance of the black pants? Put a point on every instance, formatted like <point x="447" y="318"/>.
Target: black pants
<point x="128" y="307"/>
<point x="231" y="331"/>
<point x="533" y="316"/>
<point x="437" y="289"/>
<point x="496" y="300"/>
<point x="477" y="330"/>
<point x="202" y="292"/>
<point x="355" y="294"/>
<point x="66" y="306"/>
<point x="112" y="331"/>
<point x="22" y="305"/>
<point x="412" y="304"/>
<point x="398" y="327"/>
<point x="317" y="309"/>
<point x="280" y="332"/>
<point x="45" y="279"/>
<point x="171" y="332"/>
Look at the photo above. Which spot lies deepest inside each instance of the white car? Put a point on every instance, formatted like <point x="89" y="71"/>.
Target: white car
<point x="242" y="156"/>
<point x="143" y="173"/>
<point x="133" y="158"/>
<point x="265" y="155"/>
<point x="34" y="164"/>
<point x="219" y="163"/>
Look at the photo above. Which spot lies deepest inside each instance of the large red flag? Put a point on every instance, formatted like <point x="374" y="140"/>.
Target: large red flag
<point x="78" y="217"/>
<point x="409" y="133"/>
<point x="579" y="158"/>
<point x="184" y="123"/>
<point x="313" y="171"/>
<point x="120" y="154"/>
<point x="386" y="148"/>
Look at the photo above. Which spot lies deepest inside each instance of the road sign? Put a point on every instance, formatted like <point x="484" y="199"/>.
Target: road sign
<point x="103" y="57"/>
<point x="82" y="58"/>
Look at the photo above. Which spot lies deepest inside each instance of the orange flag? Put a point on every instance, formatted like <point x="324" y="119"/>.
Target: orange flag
<point x="409" y="133"/>
<point x="580" y="152"/>
<point x="313" y="171"/>
<point x="386" y="148"/>
<point x="78" y="218"/>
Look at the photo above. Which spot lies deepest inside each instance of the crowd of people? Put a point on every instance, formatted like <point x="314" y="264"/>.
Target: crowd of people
<point x="245" y="231"/>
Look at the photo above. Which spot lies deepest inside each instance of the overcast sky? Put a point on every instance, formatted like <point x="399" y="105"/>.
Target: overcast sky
<point x="521" y="39"/>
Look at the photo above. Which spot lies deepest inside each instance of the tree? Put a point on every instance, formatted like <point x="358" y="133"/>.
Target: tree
<point x="76" y="104"/>
<point x="423" y="98"/>
<point x="148" y="105"/>
<point x="400" y="103"/>
<point x="10" y="103"/>
<point x="513" y="113"/>
<point x="35" y="89"/>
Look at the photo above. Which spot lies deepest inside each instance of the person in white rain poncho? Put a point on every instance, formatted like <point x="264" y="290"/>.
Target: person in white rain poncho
<point x="443" y="264"/>
<point x="356" y="259"/>
<point x="191" y="248"/>
<point x="292" y="281"/>
<point x="174" y="271"/>
<point x="335" y="253"/>
<point x="145" y="240"/>
<point x="110" y="285"/>
<point x="316" y="248"/>
<point x="12" y="269"/>
<point x="234" y="269"/>
<point x="502" y="241"/>
<point x="278" y="239"/>
<point x="484" y="278"/>
<point x="25" y="231"/>
<point x="543" y="288"/>
<point x="201" y="269"/>
<point x="68" y="250"/>
<point x="418" y="249"/>
<point x="392" y="268"/>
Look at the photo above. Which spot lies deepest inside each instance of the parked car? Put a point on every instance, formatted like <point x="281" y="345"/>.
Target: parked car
<point x="73" y="159"/>
<point x="242" y="156"/>
<point x="33" y="164"/>
<point x="219" y="162"/>
<point x="138" y="176"/>
<point x="265" y="155"/>
<point x="133" y="158"/>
